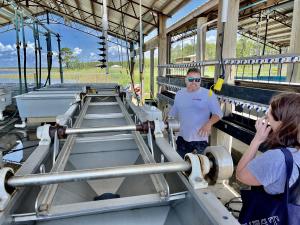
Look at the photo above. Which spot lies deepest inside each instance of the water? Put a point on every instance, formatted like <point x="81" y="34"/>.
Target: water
<point x="8" y="72"/>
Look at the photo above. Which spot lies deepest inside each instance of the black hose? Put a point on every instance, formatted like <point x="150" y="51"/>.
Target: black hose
<point x="40" y="55"/>
<point x="264" y="46"/>
<point x="24" y="56"/>
<point x="18" y="52"/>
<point x="20" y="149"/>
<point x="49" y="58"/>
<point x="36" y="56"/>
<point x="60" y="59"/>
<point x="292" y="73"/>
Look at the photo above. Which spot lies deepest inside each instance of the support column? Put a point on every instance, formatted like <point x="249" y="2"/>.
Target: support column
<point x="229" y="37"/>
<point x="201" y="40"/>
<point x="226" y="36"/>
<point x="295" y="44"/>
<point x="162" y="43"/>
<point x="152" y="73"/>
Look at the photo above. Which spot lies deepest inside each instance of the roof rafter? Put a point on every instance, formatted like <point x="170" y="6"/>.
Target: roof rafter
<point x="126" y="14"/>
<point x="136" y="25"/>
<point x="78" y="5"/>
<point x="83" y="22"/>
<point x="90" y="14"/>
<point x="93" y="11"/>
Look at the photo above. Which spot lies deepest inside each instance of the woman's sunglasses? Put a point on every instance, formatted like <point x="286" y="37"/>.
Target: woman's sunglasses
<point x="191" y="79"/>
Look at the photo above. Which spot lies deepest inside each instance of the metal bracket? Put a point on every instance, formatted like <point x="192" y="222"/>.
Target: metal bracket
<point x="149" y="137"/>
<point x="159" y="126"/>
<point x="196" y="178"/>
<point x="55" y="148"/>
<point x="42" y="133"/>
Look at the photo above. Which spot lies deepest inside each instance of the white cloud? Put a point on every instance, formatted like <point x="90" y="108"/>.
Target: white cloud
<point x="55" y="53"/>
<point x="211" y="38"/>
<point x="6" y="48"/>
<point x="93" y="56"/>
<point x="77" y="51"/>
<point x="30" y="47"/>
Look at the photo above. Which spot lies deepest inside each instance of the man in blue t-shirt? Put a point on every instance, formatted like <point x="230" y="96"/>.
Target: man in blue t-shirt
<point x="196" y="112"/>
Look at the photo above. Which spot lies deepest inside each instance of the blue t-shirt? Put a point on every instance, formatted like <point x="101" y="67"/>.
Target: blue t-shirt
<point x="270" y="170"/>
<point x="193" y="110"/>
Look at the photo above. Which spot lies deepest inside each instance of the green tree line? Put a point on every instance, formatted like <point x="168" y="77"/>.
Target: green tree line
<point x="245" y="47"/>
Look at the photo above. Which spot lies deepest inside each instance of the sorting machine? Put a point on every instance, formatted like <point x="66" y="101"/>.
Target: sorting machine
<point x="106" y="159"/>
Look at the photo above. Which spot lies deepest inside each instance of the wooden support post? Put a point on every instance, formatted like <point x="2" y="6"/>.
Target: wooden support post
<point x="162" y="43"/>
<point x="227" y="37"/>
<point x="152" y="73"/>
<point x="295" y="44"/>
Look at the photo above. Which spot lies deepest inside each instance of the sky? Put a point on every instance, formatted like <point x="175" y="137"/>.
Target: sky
<point x="82" y="45"/>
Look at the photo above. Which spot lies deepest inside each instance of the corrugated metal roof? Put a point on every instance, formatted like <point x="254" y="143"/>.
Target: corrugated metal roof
<point x="123" y="15"/>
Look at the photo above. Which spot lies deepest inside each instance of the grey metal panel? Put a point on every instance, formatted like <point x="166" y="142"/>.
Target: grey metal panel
<point x="145" y="216"/>
<point x="43" y="107"/>
<point x="102" y="146"/>
<point x="104" y="159"/>
<point x="104" y="123"/>
<point x="73" y="192"/>
<point x="92" y="109"/>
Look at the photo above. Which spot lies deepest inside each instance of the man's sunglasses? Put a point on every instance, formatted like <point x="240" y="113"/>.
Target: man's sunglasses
<point x="191" y="79"/>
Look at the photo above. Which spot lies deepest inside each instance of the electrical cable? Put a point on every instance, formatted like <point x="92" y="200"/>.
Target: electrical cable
<point x="40" y="55"/>
<point x="131" y="69"/>
<point x="264" y="45"/>
<point x="17" y="26"/>
<point x="292" y="73"/>
<point x="231" y="201"/>
<point x="20" y="149"/>
<point x="24" y="54"/>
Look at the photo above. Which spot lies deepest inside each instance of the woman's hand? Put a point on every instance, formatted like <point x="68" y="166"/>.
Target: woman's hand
<point x="262" y="130"/>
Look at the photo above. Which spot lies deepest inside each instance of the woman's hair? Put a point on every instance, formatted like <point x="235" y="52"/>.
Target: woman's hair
<point x="286" y="109"/>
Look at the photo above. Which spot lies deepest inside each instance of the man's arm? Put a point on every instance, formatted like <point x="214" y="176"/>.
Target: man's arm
<point x="206" y="128"/>
<point x="215" y="109"/>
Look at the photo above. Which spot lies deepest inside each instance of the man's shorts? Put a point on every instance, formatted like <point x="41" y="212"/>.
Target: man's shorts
<point x="184" y="147"/>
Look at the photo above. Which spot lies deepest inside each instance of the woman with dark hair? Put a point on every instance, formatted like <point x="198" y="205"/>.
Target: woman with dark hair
<point x="279" y="131"/>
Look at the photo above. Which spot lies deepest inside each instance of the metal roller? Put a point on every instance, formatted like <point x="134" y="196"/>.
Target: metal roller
<point x="221" y="163"/>
<point x="92" y="174"/>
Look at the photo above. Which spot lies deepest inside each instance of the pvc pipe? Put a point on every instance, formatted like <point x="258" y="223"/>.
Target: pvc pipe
<point x="225" y="6"/>
<point x="104" y="31"/>
<point x="102" y="173"/>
